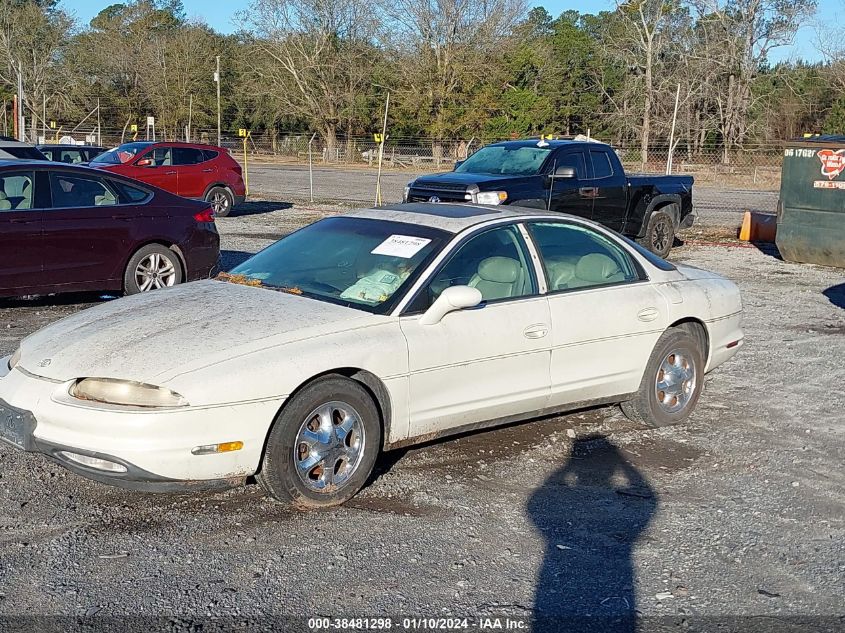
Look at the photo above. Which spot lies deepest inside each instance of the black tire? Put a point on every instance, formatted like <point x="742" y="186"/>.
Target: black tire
<point x="646" y="408"/>
<point x="280" y="474"/>
<point x="221" y="200"/>
<point x="168" y="273"/>
<point x="660" y="232"/>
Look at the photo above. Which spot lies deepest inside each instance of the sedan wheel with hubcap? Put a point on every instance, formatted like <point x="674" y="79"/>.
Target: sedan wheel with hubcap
<point x="323" y="445"/>
<point x="671" y="384"/>
<point x="675" y="382"/>
<point x="221" y="201"/>
<point x="329" y="446"/>
<point x="152" y="267"/>
<point x="155" y="271"/>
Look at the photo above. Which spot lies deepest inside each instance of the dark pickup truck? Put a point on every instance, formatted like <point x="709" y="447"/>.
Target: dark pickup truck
<point x="580" y="177"/>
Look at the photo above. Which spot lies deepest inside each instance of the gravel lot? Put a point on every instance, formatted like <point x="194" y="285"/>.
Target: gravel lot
<point x="738" y="512"/>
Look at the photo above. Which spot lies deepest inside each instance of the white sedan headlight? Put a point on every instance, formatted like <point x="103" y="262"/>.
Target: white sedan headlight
<point x="491" y="197"/>
<point x="15" y="359"/>
<point x="126" y="393"/>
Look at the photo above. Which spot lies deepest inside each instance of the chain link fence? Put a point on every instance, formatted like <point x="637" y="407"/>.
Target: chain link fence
<point x="304" y="167"/>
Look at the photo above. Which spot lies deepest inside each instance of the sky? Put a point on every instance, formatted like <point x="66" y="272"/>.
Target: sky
<point x="219" y="14"/>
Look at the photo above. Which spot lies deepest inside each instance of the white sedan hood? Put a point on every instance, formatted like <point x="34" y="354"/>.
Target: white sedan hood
<point x="154" y="336"/>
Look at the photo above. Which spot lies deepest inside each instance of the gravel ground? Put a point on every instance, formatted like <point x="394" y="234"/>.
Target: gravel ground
<point x="738" y="512"/>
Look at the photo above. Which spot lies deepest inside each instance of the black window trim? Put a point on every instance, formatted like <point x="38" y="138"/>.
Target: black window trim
<point x="455" y="247"/>
<point x="593" y="176"/>
<point x="642" y="275"/>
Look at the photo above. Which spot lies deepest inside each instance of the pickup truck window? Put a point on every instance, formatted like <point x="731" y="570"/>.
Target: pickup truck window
<point x="575" y="160"/>
<point x="601" y="164"/>
<point x="577" y="257"/>
<point x="503" y="160"/>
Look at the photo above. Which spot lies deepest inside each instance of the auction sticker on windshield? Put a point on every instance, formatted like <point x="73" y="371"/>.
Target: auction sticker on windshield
<point x="403" y="246"/>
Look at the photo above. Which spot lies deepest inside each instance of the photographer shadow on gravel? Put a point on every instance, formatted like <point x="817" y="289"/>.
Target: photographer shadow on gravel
<point x="591" y="513"/>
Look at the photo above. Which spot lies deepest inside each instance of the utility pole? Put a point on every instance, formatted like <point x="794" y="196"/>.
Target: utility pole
<point x="21" y="120"/>
<point x="99" y="136"/>
<point x="217" y="81"/>
<point x="190" y="113"/>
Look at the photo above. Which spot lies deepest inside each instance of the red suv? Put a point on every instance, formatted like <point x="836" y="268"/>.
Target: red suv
<point x="189" y="170"/>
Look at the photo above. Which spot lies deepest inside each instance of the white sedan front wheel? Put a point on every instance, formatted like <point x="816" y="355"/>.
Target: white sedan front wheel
<point x="323" y="444"/>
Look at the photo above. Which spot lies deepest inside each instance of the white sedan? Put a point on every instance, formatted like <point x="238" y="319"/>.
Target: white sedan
<point x="361" y="333"/>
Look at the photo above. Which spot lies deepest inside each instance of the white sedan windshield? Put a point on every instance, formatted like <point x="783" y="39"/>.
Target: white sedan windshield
<point x="358" y="262"/>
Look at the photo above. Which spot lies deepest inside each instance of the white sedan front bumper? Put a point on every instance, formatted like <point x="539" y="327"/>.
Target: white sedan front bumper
<point x="153" y="446"/>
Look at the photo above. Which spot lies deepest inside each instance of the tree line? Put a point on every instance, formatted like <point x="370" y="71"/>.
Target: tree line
<point x="482" y="69"/>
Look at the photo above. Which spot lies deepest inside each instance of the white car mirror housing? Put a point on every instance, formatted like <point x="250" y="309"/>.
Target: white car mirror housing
<point x="451" y="299"/>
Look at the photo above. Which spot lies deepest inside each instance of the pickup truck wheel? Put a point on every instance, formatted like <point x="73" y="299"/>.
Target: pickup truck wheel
<point x="659" y="233"/>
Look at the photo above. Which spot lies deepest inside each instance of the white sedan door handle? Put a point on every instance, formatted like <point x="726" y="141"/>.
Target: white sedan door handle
<point x="648" y="314"/>
<point x="538" y="330"/>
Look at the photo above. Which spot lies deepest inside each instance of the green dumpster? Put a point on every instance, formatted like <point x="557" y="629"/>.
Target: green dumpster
<point x="811" y="209"/>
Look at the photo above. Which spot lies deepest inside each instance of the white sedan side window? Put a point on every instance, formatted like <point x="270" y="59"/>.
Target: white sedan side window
<point x="576" y="257"/>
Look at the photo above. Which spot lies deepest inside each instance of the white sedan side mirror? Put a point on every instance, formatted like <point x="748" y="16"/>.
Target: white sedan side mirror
<point x="451" y="299"/>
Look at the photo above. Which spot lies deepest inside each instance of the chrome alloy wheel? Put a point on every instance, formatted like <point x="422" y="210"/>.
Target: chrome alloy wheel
<point x="329" y="447"/>
<point x="661" y="235"/>
<point x="219" y="202"/>
<point x="155" y="271"/>
<point x="675" y="382"/>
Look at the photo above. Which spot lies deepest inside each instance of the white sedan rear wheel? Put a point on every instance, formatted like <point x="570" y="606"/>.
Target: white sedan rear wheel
<point x="672" y="381"/>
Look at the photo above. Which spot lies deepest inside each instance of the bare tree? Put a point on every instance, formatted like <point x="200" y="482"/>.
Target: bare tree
<point x="736" y="39"/>
<point x="311" y="57"/>
<point x="35" y="38"/>
<point x="444" y="46"/>
<point x="638" y="37"/>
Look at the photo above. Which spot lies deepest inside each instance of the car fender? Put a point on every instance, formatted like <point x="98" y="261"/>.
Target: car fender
<point x="649" y="204"/>
<point x="370" y="355"/>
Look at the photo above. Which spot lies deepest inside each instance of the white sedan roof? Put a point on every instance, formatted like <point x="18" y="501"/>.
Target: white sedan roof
<point x="453" y="218"/>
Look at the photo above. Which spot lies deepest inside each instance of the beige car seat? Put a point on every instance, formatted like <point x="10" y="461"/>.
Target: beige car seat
<point x="498" y="278"/>
<point x="560" y="272"/>
<point x="5" y="204"/>
<point x="596" y="269"/>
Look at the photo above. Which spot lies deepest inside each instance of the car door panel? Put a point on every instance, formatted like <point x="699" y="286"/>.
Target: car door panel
<point x="601" y="340"/>
<point x="478" y="365"/>
<point x="572" y="195"/>
<point x="161" y="173"/>
<point x="605" y="316"/>
<point x="86" y="243"/>
<point x="193" y="171"/>
<point x="21" y="243"/>
<point x="484" y="363"/>
<point x="610" y="187"/>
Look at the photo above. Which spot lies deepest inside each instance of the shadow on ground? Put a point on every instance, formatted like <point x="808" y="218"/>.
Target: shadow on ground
<point x="836" y="295"/>
<point x="591" y="512"/>
<point x="257" y="207"/>
<point x="80" y="299"/>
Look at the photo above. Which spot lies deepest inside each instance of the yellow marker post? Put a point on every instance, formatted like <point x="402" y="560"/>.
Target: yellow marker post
<point x="245" y="135"/>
